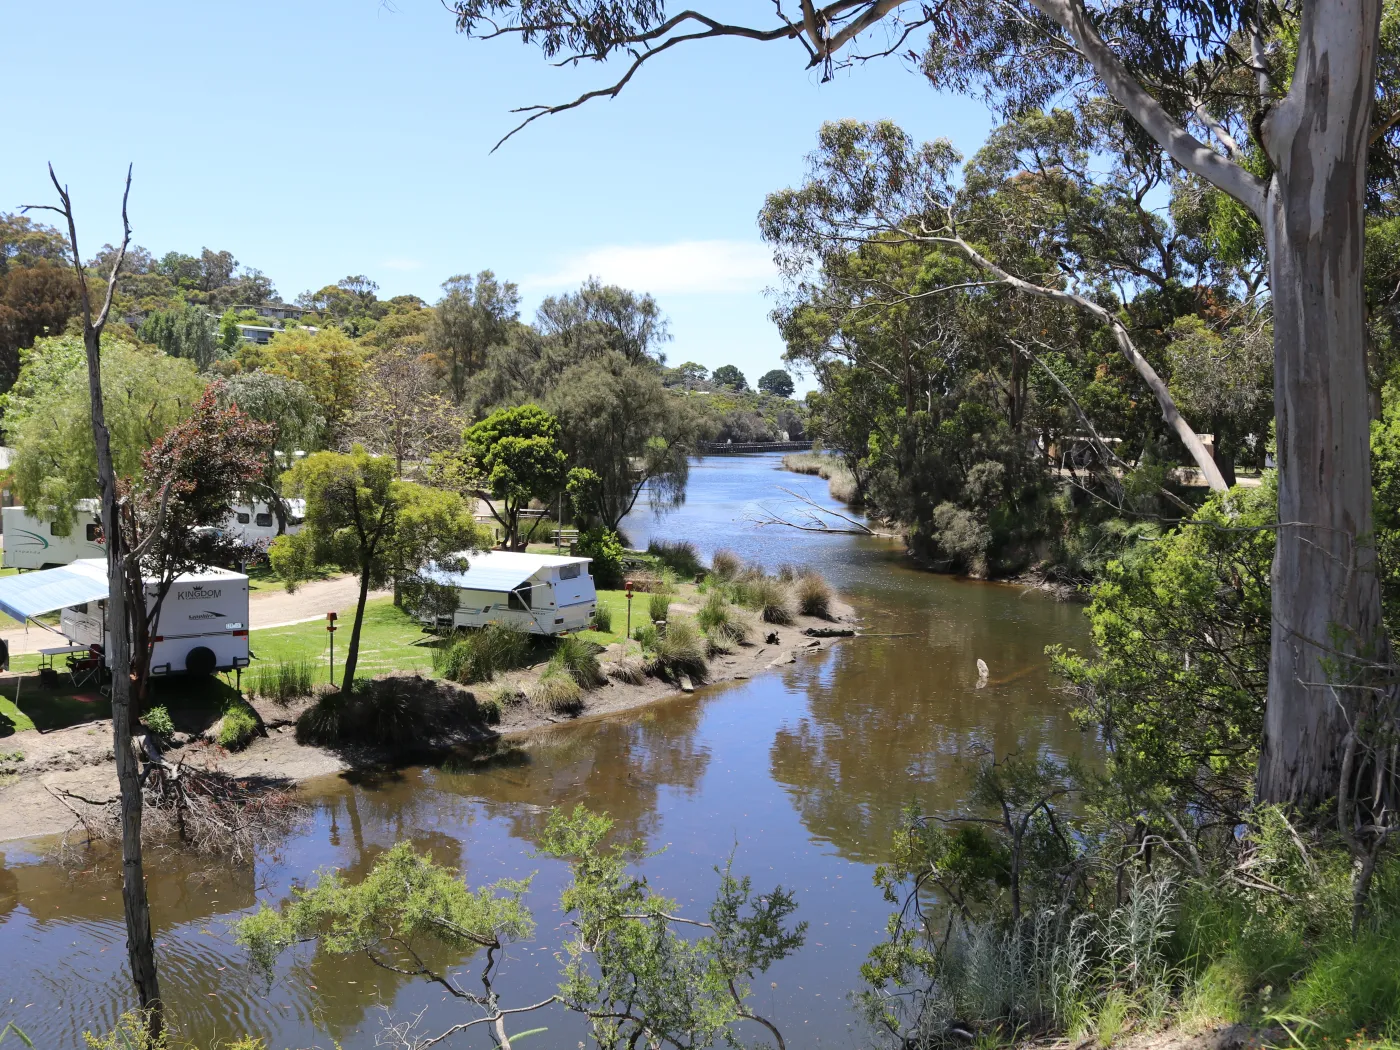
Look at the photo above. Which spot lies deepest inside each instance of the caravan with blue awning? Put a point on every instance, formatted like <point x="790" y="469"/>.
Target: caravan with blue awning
<point x="538" y="593"/>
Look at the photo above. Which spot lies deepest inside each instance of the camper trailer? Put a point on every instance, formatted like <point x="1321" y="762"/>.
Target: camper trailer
<point x="34" y="544"/>
<point x="256" y="523"/>
<point x="538" y="593"/>
<point x="203" y="624"/>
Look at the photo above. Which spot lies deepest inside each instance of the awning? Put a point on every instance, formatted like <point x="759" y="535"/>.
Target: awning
<point x="497" y="571"/>
<point x="29" y="594"/>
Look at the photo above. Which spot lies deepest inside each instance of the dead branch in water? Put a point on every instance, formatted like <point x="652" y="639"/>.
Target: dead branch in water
<point x="814" y="518"/>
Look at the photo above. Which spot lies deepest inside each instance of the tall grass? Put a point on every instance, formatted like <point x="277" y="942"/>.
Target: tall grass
<point x="557" y="691"/>
<point x="768" y="597"/>
<point x="814" y="595"/>
<point x="579" y="658"/>
<point x="680" y="556"/>
<point x="658" y="606"/>
<point x="480" y="655"/>
<point x="681" y="650"/>
<point x="725" y="564"/>
<point x="284" y="681"/>
<point x="722" y="622"/>
<point x="602" y="618"/>
<point x="840" y="482"/>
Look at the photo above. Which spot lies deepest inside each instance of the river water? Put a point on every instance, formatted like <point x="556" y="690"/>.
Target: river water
<point x="801" y="773"/>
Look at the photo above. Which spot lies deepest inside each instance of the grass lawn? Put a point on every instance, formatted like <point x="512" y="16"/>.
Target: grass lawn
<point x="390" y="640"/>
<point x="261" y="577"/>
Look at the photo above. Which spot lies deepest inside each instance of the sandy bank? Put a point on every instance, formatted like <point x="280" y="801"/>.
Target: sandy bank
<point x="59" y="764"/>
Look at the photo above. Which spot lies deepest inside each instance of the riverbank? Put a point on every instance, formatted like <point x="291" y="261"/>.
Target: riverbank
<point x="55" y="776"/>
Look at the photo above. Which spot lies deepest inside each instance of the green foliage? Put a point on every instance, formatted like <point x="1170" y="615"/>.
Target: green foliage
<point x="405" y="899"/>
<point x="725" y="564"/>
<point x="658" y="606"/>
<point x="1176" y="683"/>
<point x="730" y="376"/>
<point x="605" y="548"/>
<point x="630" y="972"/>
<point x="284" y="681"/>
<point x="1385" y="480"/>
<point x="602" y="618"/>
<point x="578" y="657"/>
<point x="158" y="721"/>
<point x="131" y="1032"/>
<point x="480" y="655"/>
<point x="769" y="597"/>
<point x="187" y="332"/>
<point x="680" y="556"/>
<point x="776" y="382"/>
<point x="814" y="595"/>
<point x="646" y="634"/>
<point x="238" y="726"/>
<point x="516" y="451"/>
<point x="293" y="558"/>
<point x="557" y="690"/>
<point x="722" y="622"/>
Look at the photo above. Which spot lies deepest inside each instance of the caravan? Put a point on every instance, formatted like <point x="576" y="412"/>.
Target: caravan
<point x="203" y="623"/>
<point x="538" y="593"/>
<point x="34" y="544"/>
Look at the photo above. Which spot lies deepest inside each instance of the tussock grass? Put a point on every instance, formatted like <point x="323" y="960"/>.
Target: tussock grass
<point x="814" y="595"/>
<point x="556" y="691"/>
<point x="602" y="618"/>
<point x="238" y="727"/>
<point x="284" y="681"/>
<point x="680" y="556"/>
<point x="658" y="606"/>
<point x="725" y="564"/>
<point x="681" y="650"/>
<point x="840" y="482"/>
<point x="402" y="714"/>
<point x="579" y="658"/>
<point x="629" y="669"/>
<point x="723" y="623"/>
<point x="769" y="597"/>
<point x="480" y="655"/>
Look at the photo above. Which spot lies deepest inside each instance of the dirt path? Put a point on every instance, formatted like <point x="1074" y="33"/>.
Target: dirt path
<point x="275" y="608"/>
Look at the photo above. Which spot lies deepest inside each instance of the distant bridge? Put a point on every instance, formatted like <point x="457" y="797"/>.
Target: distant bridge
<point x="713" y="448"/>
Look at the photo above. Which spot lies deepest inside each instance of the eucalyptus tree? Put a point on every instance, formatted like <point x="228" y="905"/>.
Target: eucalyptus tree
<point x="474" y="315"/>
<point x="605" y="316"/>
<point x="1273" y="105"/>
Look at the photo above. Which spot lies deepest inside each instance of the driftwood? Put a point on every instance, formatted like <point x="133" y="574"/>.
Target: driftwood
<point x="811" y="516"/>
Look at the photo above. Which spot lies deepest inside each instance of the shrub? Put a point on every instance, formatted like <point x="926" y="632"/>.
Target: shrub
<point x="681" y="650"/>
<point x="579" y="657"/>
<point x="284" y="681"/>
<point x="627" y="669"/>
<point x="495" y="705"/>
<point x="647" y="635"/>
<point x="770" y="598"/>
<point x="658" y="606"/>
<point x="158" y="721"/>
<point x="403" y="714"/>
<point x="557" y="691"/>
<point x="722" y="622"/>
<point x="679" y="556"/>
<point x="814" y="595"/>
<point x="482" y="654"/>
<point x="725" y="564"/>
<point x="602" y="618"/>
<point x="239" y="726"/>
<point x="605" y="548"/>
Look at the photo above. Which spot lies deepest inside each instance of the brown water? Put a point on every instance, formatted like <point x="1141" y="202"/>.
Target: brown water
<point x="801" y="772"/>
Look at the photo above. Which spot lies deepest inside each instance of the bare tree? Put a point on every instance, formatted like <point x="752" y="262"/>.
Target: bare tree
<point x="140" y="946"/>
<point x="399" y="412"/>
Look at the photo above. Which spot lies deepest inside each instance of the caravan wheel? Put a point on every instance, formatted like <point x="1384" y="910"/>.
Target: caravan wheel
<point x="200" y="661"/>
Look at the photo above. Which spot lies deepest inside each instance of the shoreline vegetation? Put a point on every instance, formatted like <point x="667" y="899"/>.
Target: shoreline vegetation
<point x="733" y="624"/>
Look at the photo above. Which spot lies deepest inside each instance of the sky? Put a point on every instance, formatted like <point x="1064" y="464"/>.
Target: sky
<point x="320" y="138"/>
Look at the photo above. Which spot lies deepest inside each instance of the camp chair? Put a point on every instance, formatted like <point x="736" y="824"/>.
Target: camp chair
<point x="84" y="671"/>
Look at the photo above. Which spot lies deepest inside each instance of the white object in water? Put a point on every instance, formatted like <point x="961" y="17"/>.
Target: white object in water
<point x="982" y="673"/>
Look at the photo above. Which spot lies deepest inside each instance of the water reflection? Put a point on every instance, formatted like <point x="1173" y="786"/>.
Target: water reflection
<point x="802" y="773"/>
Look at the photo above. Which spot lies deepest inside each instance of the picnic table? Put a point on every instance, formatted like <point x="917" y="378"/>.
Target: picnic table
<point x="46" y="655"/>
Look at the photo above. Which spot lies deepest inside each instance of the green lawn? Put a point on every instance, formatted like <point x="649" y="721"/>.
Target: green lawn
<point x="262" y="578"/>
<point x="389" y="641"/>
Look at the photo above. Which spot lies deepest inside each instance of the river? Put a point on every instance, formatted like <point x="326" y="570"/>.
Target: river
<point x="801" y="773"/>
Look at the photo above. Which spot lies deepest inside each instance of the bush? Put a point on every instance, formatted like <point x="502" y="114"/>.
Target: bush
<point x="557" y="691"/>
<point x="681" y="650"/>
<point x="647" y="635"/>
<point x="482" y="654"/>
<point x="602" y="618"/>
<point x="579" y="657"/>
<point x="158" y="721"/>
<point x="722" y="622"/>
<point x="814" y="595"/>
<point x="658" y="606"/>
<point x="239" y="726"/>
<point x="403" y="714"/>
<point x="605" y="548"/>
<point x="725" y="564"/>
<point x="770" y="598"/>
<point x="679" y="556"/>
<point x="627" y="669"/>
<point x="284" y="681"/>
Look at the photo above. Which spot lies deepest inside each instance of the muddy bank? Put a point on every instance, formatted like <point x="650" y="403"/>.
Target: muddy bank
<point x="68" y="771"/>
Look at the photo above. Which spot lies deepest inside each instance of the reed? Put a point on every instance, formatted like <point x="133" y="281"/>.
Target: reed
<point x="681" y="650"/>
<point x="814" y="595"/>
<point x="284" y="681"/>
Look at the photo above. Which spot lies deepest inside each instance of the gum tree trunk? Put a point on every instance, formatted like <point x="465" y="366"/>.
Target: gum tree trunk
<point x="1326" y="596"/>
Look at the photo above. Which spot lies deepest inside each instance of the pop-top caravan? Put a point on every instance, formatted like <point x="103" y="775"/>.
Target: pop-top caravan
<point x="203" y="624"/>
<point x="539" y="593"/>
<point x="34" y="544"/>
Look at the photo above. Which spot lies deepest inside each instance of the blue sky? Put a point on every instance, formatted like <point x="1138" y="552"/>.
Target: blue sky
<point x="320" y="138"/>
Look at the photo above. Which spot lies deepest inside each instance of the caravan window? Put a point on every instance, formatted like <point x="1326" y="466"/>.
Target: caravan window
<point x="570" y="572"/>
<point x="264" y="521"/>
<point x="93" y="532"/>
<point x="243" y="518"/>
<point x="517" y="601"/>
<point x="55" y="529"/>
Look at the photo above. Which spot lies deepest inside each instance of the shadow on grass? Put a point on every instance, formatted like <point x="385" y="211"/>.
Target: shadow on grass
<point x="27" y="702"/>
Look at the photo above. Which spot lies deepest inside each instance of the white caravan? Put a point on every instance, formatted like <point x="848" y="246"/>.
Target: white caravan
<point x="34" y="544"/>
<point x="203" y="623"/>
<point x="256" y="523"/>
<point x="539" y="593"/>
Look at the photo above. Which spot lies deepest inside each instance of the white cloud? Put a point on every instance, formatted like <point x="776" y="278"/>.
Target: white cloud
<point x="686" y="267"/>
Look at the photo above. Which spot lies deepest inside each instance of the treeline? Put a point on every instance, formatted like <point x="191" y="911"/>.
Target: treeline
<point x="342" y="367"/>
